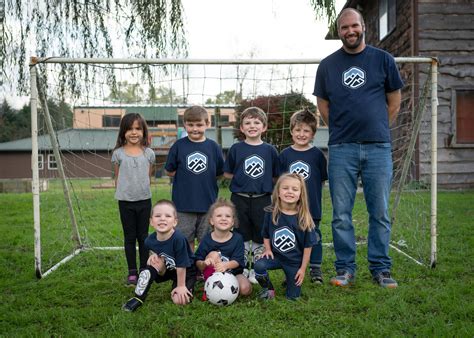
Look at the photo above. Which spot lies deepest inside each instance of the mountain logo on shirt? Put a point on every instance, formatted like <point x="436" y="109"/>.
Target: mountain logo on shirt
<point x="254" y="166"/>
<point x="284" y="239"/>
<point x="196" y="162"/>
<point x="353" y="78"/>
<point x="169" y="261"/>
<point x="301" y="168"/>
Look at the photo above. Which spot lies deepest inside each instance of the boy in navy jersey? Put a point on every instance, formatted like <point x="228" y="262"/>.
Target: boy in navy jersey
<point x="194" y="162"/>
<point x="308" y="161"/>
<point x="172" y="259"/>
<point x="252" y="166"/>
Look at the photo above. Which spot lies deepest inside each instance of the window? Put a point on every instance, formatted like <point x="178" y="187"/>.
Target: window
<point x="463" y="117"/>
<point x="223" y="120"/>
<point x="387" y="17"/>
<point x="40" y="161"/>
<point x="52" y="164"/>
<point x="111" y="120"/>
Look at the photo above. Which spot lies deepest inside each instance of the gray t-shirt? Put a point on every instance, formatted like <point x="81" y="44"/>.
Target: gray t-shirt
<point x="133" y="181"/>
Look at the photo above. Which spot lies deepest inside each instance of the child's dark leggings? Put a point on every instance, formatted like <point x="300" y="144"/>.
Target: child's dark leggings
<point x="316" y="257"/>
<point x="263" y="264"/>
<point x="135" y="217"/>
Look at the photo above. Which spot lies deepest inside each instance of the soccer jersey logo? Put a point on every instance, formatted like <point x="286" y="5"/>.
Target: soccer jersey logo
<point x="353" y="78"/>
<point x="254" y="166"/>
<point x="169" y="261"/>
<point x="301" y="168"/>
<point x="196" y="162"/>
<point x="284" y="239"/>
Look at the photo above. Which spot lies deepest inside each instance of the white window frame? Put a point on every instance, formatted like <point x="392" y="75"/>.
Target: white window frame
<point x="454" y="119"/>
<point x="51" y="160"/>
<point x="387" y="18"/>
<point x="40" y="162"/>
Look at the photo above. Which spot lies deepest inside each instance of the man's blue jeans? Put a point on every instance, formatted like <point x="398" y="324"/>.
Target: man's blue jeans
<point x="372" y="162"/>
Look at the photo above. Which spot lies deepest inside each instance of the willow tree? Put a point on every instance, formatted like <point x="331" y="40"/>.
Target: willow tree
<point x="93" y="29"/>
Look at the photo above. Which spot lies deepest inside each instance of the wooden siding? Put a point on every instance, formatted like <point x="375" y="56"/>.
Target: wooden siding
<point x="77" y="165"/>
<point x="446" y="32"/>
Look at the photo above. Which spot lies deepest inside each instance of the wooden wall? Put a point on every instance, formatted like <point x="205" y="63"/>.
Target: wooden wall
<point x="446" y="31"/>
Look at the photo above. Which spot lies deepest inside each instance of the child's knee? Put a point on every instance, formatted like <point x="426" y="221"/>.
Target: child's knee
<point x="245" y="288"/>
<point x="214" y="256"/>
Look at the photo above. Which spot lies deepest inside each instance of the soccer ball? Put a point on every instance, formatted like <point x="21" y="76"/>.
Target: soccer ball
<point x="222" y="288"/>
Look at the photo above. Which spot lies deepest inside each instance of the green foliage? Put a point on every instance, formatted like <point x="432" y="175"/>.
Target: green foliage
<point x="279" y="109"/>
<point x="84" y="296"/>
<point x="16" y="124"/>
<point x="227" y="97"/>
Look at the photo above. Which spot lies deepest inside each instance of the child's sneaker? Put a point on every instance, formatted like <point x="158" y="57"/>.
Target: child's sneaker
<point x="385" y="280"/>
<point x="266" y="294"/>
<point x="204" y="297"/>
<point x="132" y="280"/>
<point x="132" y="304"/>
<point x="252" y="278"/>
<point x="246" y="272"/>
<point x="343" y="278"/>
<point x="316" y="276"/>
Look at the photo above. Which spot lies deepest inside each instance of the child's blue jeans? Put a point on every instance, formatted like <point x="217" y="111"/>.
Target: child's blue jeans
<point x="263" y="264"/>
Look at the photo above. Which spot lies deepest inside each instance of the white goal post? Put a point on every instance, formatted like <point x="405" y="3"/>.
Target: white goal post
<point x="297" y="81"/>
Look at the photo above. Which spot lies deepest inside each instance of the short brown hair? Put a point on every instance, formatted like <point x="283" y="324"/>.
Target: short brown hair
<point x="254" y="112"/>
<point x="164" y="202"/>
<point x="195" y="114"/>
<point x="304" y="116"/>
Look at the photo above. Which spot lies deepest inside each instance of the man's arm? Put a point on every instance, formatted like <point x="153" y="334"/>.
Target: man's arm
<point x="393" y="104"/>
<point x="323" y="107"/>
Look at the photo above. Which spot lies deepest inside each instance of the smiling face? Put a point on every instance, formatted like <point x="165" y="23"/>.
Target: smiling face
<point x="252" y="128"/>
<point x="134" y="135"/>
<point x="164" y="219"/>
<point x="351" y="31"/>
<point x="289" y="191"/>
<point x="302" y="135"/>
<point x="222" y="218"/>
<point x="196" y="130"/>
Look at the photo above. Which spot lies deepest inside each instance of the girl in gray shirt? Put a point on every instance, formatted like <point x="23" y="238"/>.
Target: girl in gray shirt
<point x="133" y="164"/>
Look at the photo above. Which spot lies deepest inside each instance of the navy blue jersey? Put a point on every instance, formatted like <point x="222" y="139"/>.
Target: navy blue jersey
<point x="197" y="164"/>
<point x="287" y="239"/>
<point x="312" y="166"/>
<point x="175" y="250"/>
<point x="355" y="86"/>
<point x="253" y="167"/>
<point x="232" y="250"/>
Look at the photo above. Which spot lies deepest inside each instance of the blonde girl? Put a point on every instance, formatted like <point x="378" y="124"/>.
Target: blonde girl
<point x="223" y="249"/>
<point x="288" y="236"/>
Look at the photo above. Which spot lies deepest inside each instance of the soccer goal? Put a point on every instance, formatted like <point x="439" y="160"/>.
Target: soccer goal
<point x="77" y="104"/>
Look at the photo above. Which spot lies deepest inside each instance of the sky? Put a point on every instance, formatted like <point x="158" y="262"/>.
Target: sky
<point x="260" y="29"/>
<point x="265" y="28"/>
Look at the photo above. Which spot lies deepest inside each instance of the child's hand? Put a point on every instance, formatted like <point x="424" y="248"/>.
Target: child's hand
<point x="181" y="295"/>
<point x="155" y="261"/>
<point x="220" y="267"/>
<point x="299" y="277"/>
<point x="208" y="262"/>
<point x="268" y="254"/>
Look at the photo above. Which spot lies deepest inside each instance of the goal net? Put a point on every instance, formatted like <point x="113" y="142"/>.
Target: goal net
<point x="77" y="106"/>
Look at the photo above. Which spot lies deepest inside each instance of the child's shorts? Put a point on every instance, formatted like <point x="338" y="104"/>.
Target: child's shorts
<point x="194" y="225"/>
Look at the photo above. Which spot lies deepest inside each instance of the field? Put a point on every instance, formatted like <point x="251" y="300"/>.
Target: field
<point x="84" y="296"/>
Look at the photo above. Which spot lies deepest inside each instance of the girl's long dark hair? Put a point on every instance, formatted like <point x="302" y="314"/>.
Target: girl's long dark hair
<point x="126" y="124"/>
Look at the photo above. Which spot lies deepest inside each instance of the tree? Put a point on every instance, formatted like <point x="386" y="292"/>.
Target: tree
<point x="227" y="97"/>
<point x="93" y="29"/>
<point x="127" y="93"/>
<point x="279" y="109"/>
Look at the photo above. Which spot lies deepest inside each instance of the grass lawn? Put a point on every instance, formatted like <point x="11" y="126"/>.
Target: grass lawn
<point x="84" y="296"/>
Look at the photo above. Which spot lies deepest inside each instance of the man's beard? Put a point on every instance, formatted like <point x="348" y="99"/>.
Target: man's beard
<point x="355" y="44"/>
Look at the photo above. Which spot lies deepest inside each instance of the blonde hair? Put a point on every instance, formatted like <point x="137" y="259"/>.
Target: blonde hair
<point x="222" y="202"/>
<point x="305" y="221"/>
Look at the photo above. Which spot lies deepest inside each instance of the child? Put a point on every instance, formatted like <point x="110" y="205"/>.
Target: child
<point x="308" y="161"/>
<point x="194" y="162"/>
<point x="172" y="259"/>
<point x="288" y="236"/>
<point x="252" y="166"/>
<point x="223" y="250"/>
<point x="133" y="163"/>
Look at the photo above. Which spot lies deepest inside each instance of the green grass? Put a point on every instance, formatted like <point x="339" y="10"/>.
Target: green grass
<point x="84" y="296"/>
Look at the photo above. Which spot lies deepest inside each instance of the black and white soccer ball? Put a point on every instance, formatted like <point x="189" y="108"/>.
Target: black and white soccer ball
<point x="222" y="288"/>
